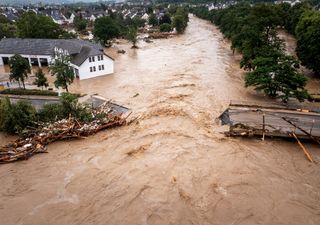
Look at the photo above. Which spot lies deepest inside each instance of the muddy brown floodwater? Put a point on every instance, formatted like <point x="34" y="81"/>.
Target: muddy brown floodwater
<point x="172" y="166"/>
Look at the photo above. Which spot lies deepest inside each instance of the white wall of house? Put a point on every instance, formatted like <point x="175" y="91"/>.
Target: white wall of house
<point x="71" y="18"/>
<point x="92" y="18"/>
<point x="84" y="69"/>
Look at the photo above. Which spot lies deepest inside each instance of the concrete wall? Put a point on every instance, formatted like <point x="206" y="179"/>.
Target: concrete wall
<point x="84" y="69"/>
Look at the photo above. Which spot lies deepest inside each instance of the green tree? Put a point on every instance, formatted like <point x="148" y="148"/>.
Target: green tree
<point x="295" y="12"/>
<point x="149" y="10"/>
<point x="277" y="77"/>
<point x="166" y="18"/>
<point x="165" y="27"/>
<point x="68" y="35"/>
<point x="308" y="36"/>
<point x="7" y="29"/>
<point x="153" y="20"/>
<point x="41" y="80"/>
<point x="105" y="28"/>
<point x="132" y="36"/>
<point x="62" y="70"/>
<point x="183" y="12"/>
<point x="80" y="24"/>
<point x="31" y="25"/>
<point x="19" y="69"/>
<point x="179" y="23"/>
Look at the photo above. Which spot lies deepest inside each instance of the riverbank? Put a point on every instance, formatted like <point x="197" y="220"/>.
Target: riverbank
<point x="172" y="166"/>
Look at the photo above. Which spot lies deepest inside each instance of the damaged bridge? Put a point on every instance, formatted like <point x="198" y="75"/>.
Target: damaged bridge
<point x="271" y="120"/>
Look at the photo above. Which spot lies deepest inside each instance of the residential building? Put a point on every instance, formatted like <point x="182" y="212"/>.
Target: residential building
<point x="87" y="59"/>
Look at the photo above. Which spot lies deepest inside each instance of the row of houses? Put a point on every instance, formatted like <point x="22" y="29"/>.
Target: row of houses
<point x="65" y="15"/>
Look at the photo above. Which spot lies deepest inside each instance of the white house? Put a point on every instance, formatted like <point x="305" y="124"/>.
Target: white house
<point x="71" y="19"/>
<point x="145" y="16"/>
<point x="87" y="59"/>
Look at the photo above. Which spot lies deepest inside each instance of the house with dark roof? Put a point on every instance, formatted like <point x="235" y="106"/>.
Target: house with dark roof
<point x="87" y="59"/>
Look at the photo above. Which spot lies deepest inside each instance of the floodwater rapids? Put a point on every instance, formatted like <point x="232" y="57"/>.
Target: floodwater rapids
<point x="171" y="166"/>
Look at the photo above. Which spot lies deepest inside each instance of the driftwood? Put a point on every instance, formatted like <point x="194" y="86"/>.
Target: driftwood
<point x="36" y="140"/>
<point x="305" y="151"/>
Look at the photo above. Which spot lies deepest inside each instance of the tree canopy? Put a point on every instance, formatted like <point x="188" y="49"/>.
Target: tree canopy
<point x="7" y="29"/>
<point x="308" y="40"/>
<point x="80" y="23"/>
<point x="41" y="80"/>
<point x="19" y="68"/>
<point x="106" y="28"/>
<point x="132" y="36"/>
<point x="31" y="25"/>
<point x="253" y="32"/>
<point x="62" y="70"/>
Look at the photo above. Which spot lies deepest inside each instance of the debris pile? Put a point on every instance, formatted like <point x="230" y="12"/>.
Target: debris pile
<point x="160" y="35"/>
<point x="35" y="141"/>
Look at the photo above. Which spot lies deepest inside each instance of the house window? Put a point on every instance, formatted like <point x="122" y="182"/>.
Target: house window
<point x="100" y="57"/>
<point x="102" y="67"/>
<point x="94" y="69"/>
<point x="99" y="66"/>
<point x="90" y="60"/>
<point x="90" y="69"/>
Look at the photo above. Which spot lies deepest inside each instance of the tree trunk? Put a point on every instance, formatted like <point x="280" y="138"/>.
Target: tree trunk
<point x="67" y="88"/>
<point x="24" y="86"/>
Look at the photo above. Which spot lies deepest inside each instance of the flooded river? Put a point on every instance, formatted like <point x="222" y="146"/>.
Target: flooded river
<point x="172" y="166"/>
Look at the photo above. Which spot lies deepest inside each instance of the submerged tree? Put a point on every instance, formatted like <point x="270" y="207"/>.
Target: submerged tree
<point x="62" y="70"/>
<point x="41" y="80"/>
<point x="132" y="36"/>
<point x="179" y="23"/>
<point x="19" y="69"/>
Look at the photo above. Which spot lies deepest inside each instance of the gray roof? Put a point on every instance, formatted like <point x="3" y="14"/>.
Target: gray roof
<point x="79" y="50"/>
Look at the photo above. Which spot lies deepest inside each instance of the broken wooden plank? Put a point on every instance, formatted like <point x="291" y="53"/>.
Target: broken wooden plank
<point x="305" y="132"/>
<point x="307" y="154"/>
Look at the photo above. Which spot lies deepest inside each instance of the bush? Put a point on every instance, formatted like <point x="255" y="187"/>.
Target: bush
<point x="69" y="106"/>
<point x="20" y="91"/>
<point x="165" y="27"/>
<point x="51" y="112"/>
<point x="72" y="107"/>
<point x="14" y="118"/>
